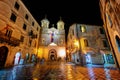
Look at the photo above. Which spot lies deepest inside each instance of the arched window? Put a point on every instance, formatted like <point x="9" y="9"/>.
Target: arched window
<point x="82" y="28"/>
<point x="118" y="42"/>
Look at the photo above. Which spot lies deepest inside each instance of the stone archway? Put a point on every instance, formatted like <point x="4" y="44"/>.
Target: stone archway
<point x="52" y="56"/>
<point x="3" y="55"/>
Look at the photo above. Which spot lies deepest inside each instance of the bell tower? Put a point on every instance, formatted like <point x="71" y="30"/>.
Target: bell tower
<point x="45" y="23"/>
<point x="60" y="24"/>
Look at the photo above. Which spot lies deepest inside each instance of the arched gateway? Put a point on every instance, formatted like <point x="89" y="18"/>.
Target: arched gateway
<point x="52" y="55"/>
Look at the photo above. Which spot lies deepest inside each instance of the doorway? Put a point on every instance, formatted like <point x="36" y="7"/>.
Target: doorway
<point x="52" y="55"/>
<point x="3" y="55"/>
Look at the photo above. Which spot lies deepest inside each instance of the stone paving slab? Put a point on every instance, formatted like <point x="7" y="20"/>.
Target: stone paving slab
<point x="58" y="71"/>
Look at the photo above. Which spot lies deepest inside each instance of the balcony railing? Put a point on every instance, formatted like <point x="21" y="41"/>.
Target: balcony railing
<point x="10" y="40"/>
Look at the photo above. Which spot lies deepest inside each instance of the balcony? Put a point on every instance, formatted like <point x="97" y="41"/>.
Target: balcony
<point x="10" y="40"/>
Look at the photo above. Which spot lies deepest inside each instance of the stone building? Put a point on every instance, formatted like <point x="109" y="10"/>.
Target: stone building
<point x="19" y="33"/>
<point x="87" y="44"/>
<point x="52" y="46"/>
<point x="110" y="13"/>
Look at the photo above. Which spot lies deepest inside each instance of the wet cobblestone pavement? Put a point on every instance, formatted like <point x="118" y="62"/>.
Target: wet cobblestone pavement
<point x="58" y="71"/>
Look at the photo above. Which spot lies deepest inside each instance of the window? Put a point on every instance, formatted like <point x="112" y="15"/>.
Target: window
<point x="105" y="43"/>
<point x="8" y="33"/>
<point x="17" y="6"/>
<point x="82" y="29"/>
<point x="13" y="17"/>
<point x="33" y="23"/>
<point x="22" y="38"/>
<point x="26" y="17"/>
<point x="101" y="31"/>
<point x="24" y="26"/>
<point x="118" y="42"/>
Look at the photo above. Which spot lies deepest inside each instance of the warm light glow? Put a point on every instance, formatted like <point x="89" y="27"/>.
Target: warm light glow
<point x="84" y="51"/>
<point x="76" y="43"/>
<point x="62" y="53"/>
<point x="82" y="43"/>
<point x="67" y="51"/>
<point x="35" y="50"/>
<point x="69" y="72"/>
<point x="35" y="79"/>
<point x="40" y="52"/>
<point x="83" y="29"/>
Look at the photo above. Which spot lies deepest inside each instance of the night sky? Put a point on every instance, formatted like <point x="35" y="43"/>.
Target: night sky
<point x="80" y="11"/>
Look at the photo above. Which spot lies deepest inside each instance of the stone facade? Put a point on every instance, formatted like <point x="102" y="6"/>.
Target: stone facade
<point x="110" y="13"/>
<point x="87" y="44"/>
<point x="19" y="33"/>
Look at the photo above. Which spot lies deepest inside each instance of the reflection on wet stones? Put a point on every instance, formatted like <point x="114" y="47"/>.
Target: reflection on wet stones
<point x="58" y="71"/>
